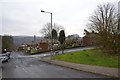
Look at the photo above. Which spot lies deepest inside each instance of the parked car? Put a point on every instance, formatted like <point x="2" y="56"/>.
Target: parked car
<point x="4" y="57"/>
<point x="8" y="55"/>
<point x="5" y="50"/>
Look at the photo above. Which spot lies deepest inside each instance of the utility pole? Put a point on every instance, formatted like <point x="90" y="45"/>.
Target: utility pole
<point x="51" y="32"/>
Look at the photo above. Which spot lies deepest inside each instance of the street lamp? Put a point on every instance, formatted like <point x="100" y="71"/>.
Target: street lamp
<point x="51" y="30"/>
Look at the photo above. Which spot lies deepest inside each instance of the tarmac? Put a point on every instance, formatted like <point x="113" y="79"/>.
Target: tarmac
<point x="110" y="72"/>
<point x="0" y="73"/>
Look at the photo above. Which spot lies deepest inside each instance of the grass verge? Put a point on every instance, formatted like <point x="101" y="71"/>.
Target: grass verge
<point x="90" y="57"/>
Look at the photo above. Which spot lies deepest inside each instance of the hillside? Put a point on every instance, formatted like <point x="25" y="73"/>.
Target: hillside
<point x="18" y="40"/>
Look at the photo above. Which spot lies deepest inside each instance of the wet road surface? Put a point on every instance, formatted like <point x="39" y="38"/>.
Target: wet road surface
<point x="32" y="67"/>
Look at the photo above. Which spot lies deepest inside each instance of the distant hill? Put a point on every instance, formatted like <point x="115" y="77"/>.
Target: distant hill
<point x="18" y="40"/>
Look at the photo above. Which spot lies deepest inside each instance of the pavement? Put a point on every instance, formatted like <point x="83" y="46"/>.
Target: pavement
<point x="0" y="69"/>
<point x="0" y="73"/>
<point x="110" y="72"/>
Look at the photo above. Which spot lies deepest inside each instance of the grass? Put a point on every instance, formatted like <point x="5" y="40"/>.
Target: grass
<point x="90" y="57"/>
<point x="34" y="51"/>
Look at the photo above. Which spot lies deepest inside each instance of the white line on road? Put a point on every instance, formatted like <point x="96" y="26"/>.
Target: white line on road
<point x="16" y="66"/>
<point x="31" y="65"/>
<point x="25" y="70"/>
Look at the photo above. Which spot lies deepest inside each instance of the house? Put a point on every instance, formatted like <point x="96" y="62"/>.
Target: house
<point x="46" y="44"/>
<point x="73" y="40"/>
<point x="43" y="46"/>
<point x="90" y="39"/>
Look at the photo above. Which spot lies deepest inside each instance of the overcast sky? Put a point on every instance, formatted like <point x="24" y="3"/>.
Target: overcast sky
<point x="23" y="17"/>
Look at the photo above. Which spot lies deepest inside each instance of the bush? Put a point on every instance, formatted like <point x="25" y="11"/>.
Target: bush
<point x="34" y="51"/>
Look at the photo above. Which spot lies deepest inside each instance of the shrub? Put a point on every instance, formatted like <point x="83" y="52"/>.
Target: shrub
<point x="34" y="51"/>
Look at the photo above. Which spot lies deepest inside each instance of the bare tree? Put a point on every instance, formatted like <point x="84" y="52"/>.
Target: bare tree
<point x="104" y="21"/>
<point x="46" y="31"/>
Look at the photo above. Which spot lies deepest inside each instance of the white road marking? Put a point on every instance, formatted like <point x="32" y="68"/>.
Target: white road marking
<point x="24" y="70"/>
<point x="31" y="65"/>
<point x="16" y="66"/>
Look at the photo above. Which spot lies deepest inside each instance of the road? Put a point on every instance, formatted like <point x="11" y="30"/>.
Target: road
<point x="20" y="66"/>
<point x="60" y="52"/>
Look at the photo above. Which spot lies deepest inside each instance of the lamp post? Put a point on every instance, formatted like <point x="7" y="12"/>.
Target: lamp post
<point x="51" y="30"/>
<point x="34" y="41"/>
